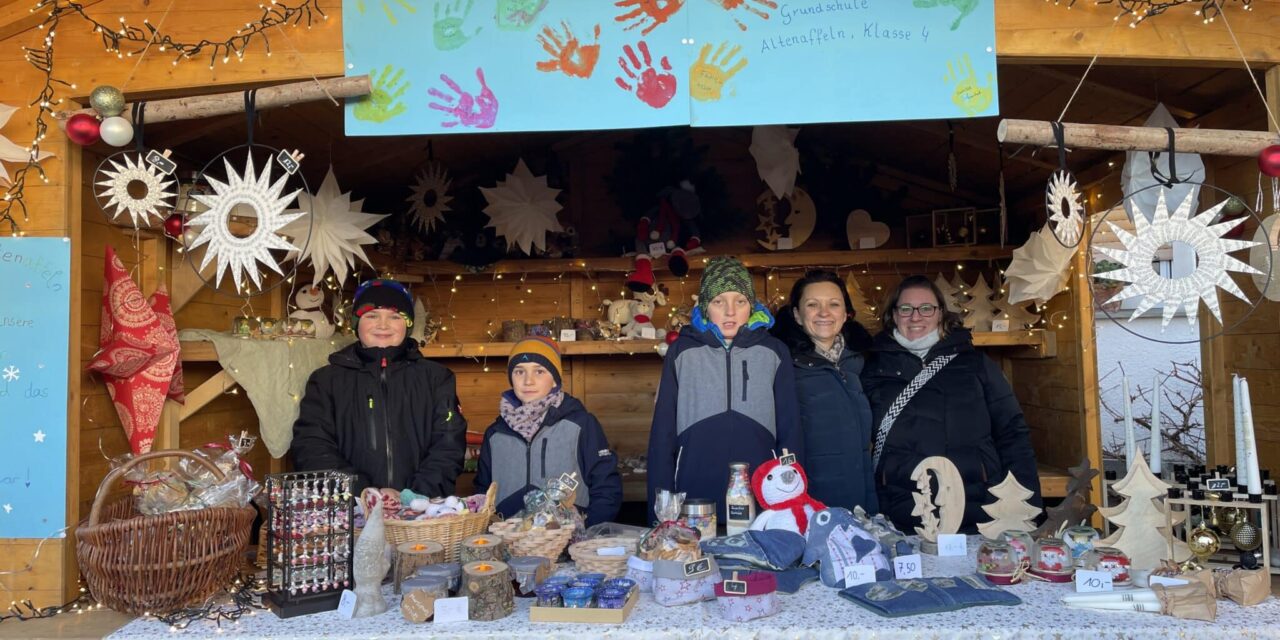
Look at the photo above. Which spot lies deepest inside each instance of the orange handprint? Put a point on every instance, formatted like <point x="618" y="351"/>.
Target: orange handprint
<point x="747" y="5"/>
<point x="567" y="54"/>
<point x="647" y="13"/>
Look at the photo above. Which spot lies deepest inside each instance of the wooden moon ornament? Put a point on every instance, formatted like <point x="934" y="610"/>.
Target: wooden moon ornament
<point x="948" y="502"/>
<point x="800" y="221"/>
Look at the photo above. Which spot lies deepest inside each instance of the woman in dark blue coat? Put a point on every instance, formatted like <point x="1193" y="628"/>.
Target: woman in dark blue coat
<point x="826" y="349"/>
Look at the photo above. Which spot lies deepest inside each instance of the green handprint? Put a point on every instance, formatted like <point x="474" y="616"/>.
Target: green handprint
<point x="971" y="97"/>
<point x="383" y="103"/>
<point x="965" y="7"/>
<point x="447" y="33"/>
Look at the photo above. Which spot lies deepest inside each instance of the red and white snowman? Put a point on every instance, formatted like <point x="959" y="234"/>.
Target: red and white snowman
<point x="781" y="488"/>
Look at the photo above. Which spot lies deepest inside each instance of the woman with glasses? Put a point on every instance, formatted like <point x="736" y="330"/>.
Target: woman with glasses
<point x="826" y="350"/>
<point x="933" y="394"/>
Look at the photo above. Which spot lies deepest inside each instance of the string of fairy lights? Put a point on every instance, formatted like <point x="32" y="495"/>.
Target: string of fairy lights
<point x="1139" y="11"/>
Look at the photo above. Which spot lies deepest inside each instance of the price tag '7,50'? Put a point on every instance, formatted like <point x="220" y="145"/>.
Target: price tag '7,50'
<point x="907" y="567"/>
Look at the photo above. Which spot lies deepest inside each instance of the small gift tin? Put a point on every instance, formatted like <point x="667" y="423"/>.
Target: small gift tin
<point x="577" y="597"/>
<point x="549" y="595"/>
<point x="747" y="596"/>
<point x="612" y="598"/>
<point x="450" y="571"/>
<point x="676" y="583"/>
<point x="700" y="514"/>
<point x="642" y="572"/>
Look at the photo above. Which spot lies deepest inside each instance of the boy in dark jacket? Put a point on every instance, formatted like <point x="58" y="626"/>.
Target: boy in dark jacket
<point x="541" y="433"/>
<point x="727" y="392"/>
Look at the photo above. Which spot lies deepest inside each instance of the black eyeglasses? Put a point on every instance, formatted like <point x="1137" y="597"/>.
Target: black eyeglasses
<point x="925" y="310"/>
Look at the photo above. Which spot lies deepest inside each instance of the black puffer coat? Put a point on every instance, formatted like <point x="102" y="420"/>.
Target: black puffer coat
<point x="967" y="413"/>
<point x="388" y="415"/>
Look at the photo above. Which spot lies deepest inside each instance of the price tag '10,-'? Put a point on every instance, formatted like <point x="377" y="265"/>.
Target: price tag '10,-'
<point x="1091" y="581"/>
<point x="907" y="567"/>
<point x="856" y="574"/>
<point x="952" y="544"/>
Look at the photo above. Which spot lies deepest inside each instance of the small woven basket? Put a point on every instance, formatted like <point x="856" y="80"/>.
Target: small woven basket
<point x="588" y="561"/>
<point x="449" y="531"/>
<point x="545" y="543"/>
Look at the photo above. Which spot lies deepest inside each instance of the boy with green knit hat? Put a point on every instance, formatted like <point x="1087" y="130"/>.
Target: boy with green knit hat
<point x="727" y="392"/>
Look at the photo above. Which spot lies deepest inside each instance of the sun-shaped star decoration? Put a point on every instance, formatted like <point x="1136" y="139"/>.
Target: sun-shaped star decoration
<point x="1212" y="261"/>
<point x="116" y="189"/>
<point x="242" y="255"/>
<point x="522" y="208"/>
<point x="430" y="198"/>
<point x="1066" y="213"/>
<point x="337" y="229"/>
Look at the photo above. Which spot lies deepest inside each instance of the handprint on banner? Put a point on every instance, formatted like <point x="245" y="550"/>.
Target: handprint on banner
<point x="971" y="97"/>
<point x="517" y="15"/>
<point x="710" y="72"/>
<point x="654" y="88"/>
<point x="478" y="111"/>
<point x="568" y="55"/>
<point x="383" y="103"/>
<point x="965" y="7"/>
<point x="447" y="32"/>
<point x="406" y="5"/>
<point x="647" y="13"/>
<point x="751" y="6"/>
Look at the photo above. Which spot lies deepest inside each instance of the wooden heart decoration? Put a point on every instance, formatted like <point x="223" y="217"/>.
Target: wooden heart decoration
<point x="860" y="225"/>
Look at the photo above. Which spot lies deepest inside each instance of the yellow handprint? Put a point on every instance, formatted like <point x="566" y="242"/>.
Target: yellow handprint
<point x="383" y="103"/>
<point x="710" y="72"/>
<point x="971" y="97"/>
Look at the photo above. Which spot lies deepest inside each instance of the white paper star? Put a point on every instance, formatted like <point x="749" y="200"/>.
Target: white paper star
<point x="523" y="209"/>
<point x="777" y="159"/>
<point x="241" y="255"/>
<point x="135" y="170"/>
<point x="8" y="508"/>
<point x="1038" y="270"/>
<point x="1062" y="200"/>
<point x="337" y="229"/>
<point x="10" y="152"/>
<point x="39" y="435"/>
<point x="1212" y="261"/>
<point x="11" y="373"/>
<point x="430" y="198"/>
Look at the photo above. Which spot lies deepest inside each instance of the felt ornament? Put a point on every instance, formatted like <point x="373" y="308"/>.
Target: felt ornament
<point x="10" y="152"/>
<point x="522" y="209"/>
<point x="835" y="541"/>
<point x="782" y="491"/>
<point x="139" y="354"/>
<point x="337" y="227"/>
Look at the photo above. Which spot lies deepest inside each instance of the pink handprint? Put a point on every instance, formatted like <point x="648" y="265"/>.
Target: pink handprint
<point x="653" y="88"/>
<point x="478" y="111"/>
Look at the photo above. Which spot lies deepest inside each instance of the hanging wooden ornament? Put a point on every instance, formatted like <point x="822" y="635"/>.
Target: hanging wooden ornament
<point x="482" y="547"/>
<point x="487" y="586"/>
<point x="940" y="512"/>
<point x="800" y="219"/>
<point x="1010" y="511"/>
<point x="430" y="198"/>
<point x="130" y="184"/>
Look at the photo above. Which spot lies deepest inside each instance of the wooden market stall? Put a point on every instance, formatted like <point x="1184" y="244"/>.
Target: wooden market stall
<point x="1043" y="52"/>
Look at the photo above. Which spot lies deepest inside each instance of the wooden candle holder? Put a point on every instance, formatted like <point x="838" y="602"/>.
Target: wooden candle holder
<point x="1265" y="510"/>
<point x="482" y="547"/>
<point x="487" y="586"/>
<point x="412" y="555"/>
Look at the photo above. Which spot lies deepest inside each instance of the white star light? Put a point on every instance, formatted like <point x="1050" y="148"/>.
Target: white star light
<point x="430" y="198"/>
<point x="11" y="373"/>
<point x="1068" y="221"/>
<point x="242" y="255"/>
<point x="1213" y="263"/>
<point x="135" y="170"/>
<point x="39" y="435"/>
<point x="523" y="209"/>
<point x="8" y="508"/>
<point x="337" y="229"/>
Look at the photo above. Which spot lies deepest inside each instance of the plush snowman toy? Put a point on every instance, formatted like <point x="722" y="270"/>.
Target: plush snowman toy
<point x="782" y="491"/>
<point x="309" y="300"/>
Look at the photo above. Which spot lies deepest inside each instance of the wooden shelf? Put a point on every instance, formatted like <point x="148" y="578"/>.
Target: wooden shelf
<point x="774" y="260"/>
<point x="1036" y="343"/>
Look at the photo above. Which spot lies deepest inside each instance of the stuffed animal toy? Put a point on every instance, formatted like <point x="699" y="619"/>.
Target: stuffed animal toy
<point x="310" y="301"/>
<point x="642" y="309"/>
<point x="782" y="491"/>
<point x="835" y="541"/>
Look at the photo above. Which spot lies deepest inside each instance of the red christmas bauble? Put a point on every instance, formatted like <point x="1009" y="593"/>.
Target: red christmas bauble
<point x="174" y="224"/>
<point x="82" y="129"/>
<point x="1269" y="161"/>
<point x="671" y="336"/>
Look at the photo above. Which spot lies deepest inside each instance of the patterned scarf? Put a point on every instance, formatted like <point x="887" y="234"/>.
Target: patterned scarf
<point x="526" y="418"/>
<point x="832" y="354"/>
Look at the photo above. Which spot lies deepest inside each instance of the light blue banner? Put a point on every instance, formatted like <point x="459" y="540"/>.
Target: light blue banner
<point x="35" y="314"/>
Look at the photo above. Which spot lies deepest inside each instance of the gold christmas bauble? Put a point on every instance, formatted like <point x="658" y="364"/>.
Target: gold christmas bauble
<point x="1203" y="542"/>
<point x="107" y="101"/>
<point x="1246" y="536"/>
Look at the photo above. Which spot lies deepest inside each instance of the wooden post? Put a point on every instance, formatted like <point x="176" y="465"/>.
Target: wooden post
<point x="1087" y="369"/>
<point x="1219" y="142"/>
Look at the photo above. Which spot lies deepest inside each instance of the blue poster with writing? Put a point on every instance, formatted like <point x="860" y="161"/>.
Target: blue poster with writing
<point x="35" y="314"/>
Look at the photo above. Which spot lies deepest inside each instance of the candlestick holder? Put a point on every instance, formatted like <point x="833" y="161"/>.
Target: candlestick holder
<point x="310" y="541"/>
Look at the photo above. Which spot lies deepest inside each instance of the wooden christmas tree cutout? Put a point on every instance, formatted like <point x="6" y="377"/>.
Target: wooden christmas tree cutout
<point x="1075" y="507"/>
<point x="863" y="311"/>
<point x="1016" y="313"/>
<point x="948" y="501"/>
<point x="1010" y="510"/>
<point x="1141" y="519"/>
<point x="978" y="309"/>
<point x="950" y="292"/>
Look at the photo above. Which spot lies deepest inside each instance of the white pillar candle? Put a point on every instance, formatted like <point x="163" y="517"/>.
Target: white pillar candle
<point x="1129" y="445"/>
<point x="1157" y="442"/>
<point x="1241" y="477"/>
<point x="1250" y="442"/>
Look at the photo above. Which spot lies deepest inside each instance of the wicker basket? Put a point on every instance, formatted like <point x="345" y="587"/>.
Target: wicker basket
<point x="588" y="561"/>
<point x="545" y="543"/>
<point x="449" y="531"/>
<point x="136" y="563"/>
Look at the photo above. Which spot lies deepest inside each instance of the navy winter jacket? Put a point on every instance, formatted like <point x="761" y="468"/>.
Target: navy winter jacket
<point x="569" y="440"/>
<point x="967" y="412"/>
<point x="721" y="404"/>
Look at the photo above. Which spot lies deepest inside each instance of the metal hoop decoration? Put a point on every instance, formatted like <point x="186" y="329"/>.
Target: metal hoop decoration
<point x="1124" y="324"/>
<point x="116" y="172"/>
<point x="1067" y="225"/>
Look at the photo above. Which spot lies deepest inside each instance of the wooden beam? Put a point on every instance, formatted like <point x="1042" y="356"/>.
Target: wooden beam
<point x="1111" y="92"/>
<point x="1087" y="367"/>
<point x="1221" y="142"/>
<point x="207" y="392"/>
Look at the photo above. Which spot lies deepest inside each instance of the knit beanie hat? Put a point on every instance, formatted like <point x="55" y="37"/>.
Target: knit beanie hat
<point x="382" y="293"/>
<point x="537" y="349"/>
<point x="723" y="274"/>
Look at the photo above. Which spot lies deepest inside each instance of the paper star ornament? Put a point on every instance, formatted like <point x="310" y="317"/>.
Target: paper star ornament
<point x="523" y="209"/>
<point x="777" y="159"/>
<point x="1039" y="270"/>
<point x="430" y="197"/>
<point x="337" y="227"/>
<point x="1066" y="213"/>
<point x="133" y="170"/>
<point x="10" y="152"/>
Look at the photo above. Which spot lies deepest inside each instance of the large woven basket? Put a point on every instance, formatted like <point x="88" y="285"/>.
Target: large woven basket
<point x="545" y="543"/>
<point x="449" y="531"/>
<point x="136" y="563"/>
<point x="588" y="561"/>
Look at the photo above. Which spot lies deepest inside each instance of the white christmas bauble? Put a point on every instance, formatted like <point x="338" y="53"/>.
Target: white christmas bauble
<point x="662" y="349"/>
<point x="116" y="131"/>
<point x="189" y="236"/>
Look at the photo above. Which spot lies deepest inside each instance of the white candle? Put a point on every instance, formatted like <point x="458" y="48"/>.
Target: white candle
<point x="1250" y="443"/>
<point x="1129" y="446"/>
<point x="1157" y="443"/>
<point x="1241" y="478"/>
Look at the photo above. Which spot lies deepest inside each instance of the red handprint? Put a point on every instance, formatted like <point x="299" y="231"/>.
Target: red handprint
<point x="653" y="88"/>
<point x="568" y="54"/>
<point x="647" y="13"/>
<point x="478" y="111"/>
<point x="747" y="5"/>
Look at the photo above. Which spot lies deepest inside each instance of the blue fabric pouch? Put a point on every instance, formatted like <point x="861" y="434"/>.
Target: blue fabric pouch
<point x="776" y="549"/>
<point x="897" y="598"/>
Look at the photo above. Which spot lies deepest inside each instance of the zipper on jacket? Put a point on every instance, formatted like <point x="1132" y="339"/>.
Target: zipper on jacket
<point x="675" y="479"/>
<point x="545" y="442"/>
<point x="728" y="379"/>
<point x="373" y="430"/>
<point x="386" y="421"/>
<point x="745" y="377"/>
<point x="528" y="462"/>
